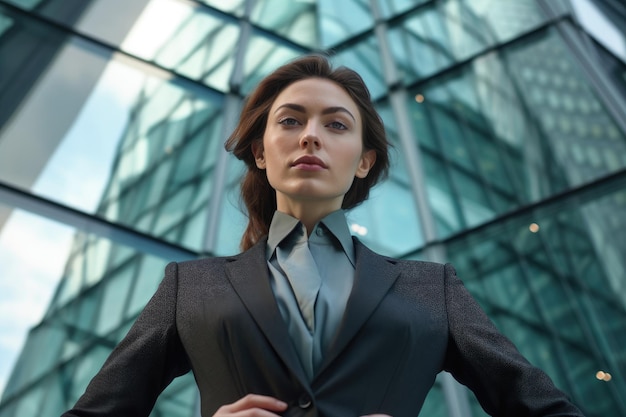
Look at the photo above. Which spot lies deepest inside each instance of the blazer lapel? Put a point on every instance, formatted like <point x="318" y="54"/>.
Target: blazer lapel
<point x="249" y="275"/>
<point x="374" y="276"/>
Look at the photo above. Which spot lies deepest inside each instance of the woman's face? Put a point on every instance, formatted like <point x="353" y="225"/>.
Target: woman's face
<point x="313" y="145"/>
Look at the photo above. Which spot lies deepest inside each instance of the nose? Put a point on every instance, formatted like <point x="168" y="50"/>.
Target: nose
<point x="310" y="137"/>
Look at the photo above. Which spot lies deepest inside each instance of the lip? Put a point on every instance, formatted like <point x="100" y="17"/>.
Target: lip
<point x="309" y="162"/>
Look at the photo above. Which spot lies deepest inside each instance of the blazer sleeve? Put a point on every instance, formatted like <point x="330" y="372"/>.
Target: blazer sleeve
<point x="488" y="363"/>
<point x="143" y="364"/>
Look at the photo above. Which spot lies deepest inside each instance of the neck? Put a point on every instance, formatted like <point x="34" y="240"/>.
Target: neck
<point x="308" y="214"/>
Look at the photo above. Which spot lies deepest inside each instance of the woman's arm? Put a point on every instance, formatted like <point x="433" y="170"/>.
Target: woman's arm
<point x="143" y="364"/>
<point x="483" y="359"/>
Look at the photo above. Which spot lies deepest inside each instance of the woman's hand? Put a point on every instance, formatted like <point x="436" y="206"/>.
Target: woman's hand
<point x="252" y="405"/>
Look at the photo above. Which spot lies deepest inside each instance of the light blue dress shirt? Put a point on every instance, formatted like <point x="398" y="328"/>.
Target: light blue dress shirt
<point x="332" y="248"/>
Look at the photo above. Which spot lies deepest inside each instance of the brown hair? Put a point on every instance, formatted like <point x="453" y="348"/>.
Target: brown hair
<point x="256" y="192"/>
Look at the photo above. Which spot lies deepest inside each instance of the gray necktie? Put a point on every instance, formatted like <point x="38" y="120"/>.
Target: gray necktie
<point x="295" y="258"/>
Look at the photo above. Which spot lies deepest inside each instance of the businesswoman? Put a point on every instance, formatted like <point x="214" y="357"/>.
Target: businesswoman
<point x="307" y="321"/>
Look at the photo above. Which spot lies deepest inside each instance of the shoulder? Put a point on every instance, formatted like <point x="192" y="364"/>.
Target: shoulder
<point x="405" y="265"/>
<point x="252" y="256"/>
<point x="200" y="265"/>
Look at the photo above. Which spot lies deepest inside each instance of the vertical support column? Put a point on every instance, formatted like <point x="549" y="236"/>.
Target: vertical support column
<point x="214" y="210"/>
<point x="230" y="113"/>
<point x="455" y="394"/>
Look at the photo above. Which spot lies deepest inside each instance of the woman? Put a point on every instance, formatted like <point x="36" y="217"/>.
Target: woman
<point x="307" y="321"/>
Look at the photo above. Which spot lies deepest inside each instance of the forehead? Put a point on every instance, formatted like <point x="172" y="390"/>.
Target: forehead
<point x="316" y="92"/>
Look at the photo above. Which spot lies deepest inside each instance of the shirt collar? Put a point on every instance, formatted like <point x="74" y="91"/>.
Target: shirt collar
<point x="283" y="224"/>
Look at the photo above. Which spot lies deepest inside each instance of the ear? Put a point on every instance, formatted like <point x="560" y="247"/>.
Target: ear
<point x="259" y="153"/>
<point x="366" y="163"/>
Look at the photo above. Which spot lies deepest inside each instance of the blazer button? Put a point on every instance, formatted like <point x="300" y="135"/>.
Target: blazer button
<point x="304" y="401"/>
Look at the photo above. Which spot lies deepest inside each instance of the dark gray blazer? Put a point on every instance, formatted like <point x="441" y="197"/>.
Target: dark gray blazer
<point x="405" y="321"/>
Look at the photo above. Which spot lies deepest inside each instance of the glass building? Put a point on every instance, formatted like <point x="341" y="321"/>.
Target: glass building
<point x="508" y="119"/>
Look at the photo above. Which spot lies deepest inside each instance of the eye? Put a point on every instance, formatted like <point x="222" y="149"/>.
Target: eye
<point x="337" y="125"/>
<point x="288" y="121"/>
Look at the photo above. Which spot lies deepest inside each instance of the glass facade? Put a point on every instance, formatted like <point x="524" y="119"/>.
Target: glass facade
<point x="508" y="120"/>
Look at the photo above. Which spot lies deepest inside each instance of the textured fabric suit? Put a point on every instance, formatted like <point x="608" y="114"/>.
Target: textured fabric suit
<point x="405" y="321"/>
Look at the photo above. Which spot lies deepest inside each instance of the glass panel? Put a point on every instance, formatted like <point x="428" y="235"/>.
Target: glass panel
<point x="445" y="207"/>
<point x="296" y="21"/>
<point x="263" y="55"/>
<point x="414" y="46"/>
<point x="390" y="8"/>
<point x="364" y="58"/>
<point x="501" y="20"/>
<point x="83" y="368"/>
<point x="544" y="279"/>
<point x="435" y="37"/>
<point x="192" y="43"/>
<point x="114" y="295"/>
<point x="38" y="356"/>
<point x="54" y="386"/>
<point x="116" y="124"/>
<point x="65" y="12"/>
<point x="191" y="40"/>
<point x="235" y="7"/>
<point x="26" y="286"/>
<point x="471" y="197"/>
<point x="340" y="20"/>
<point x="151" y="270"/>
<point x="387" y="222"/>
<point x="5" y="24"/>
<point x="25" y="4"/>
<point x="102" y="290"/>
<point x="507" y="130"/>
<point x="575" y="129"/>
<point x="31" y="404"/>
<point x="233" y="221"/>
<point x="179" y="399"/>
<point x="434" y="406"/>
<point x="604" y="23"/>
<point x="172" y="211"/>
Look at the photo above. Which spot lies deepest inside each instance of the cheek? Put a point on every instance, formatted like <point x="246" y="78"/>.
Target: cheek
<point x="353" y="155"/>
<point x="273" y="162"/>
<point x="271" y="152"/>
<point x="274" y="167"/>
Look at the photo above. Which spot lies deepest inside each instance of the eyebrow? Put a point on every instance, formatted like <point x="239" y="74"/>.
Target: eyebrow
<point x="327" y="110"/>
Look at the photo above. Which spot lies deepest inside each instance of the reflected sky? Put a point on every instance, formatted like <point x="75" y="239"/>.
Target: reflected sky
<point x="77" y="172"/>
<point x="33" y="251"/>
<point x="600" y="27"/>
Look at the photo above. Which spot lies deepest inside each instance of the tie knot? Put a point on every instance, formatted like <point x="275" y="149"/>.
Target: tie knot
<point x="298" y="236"/>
